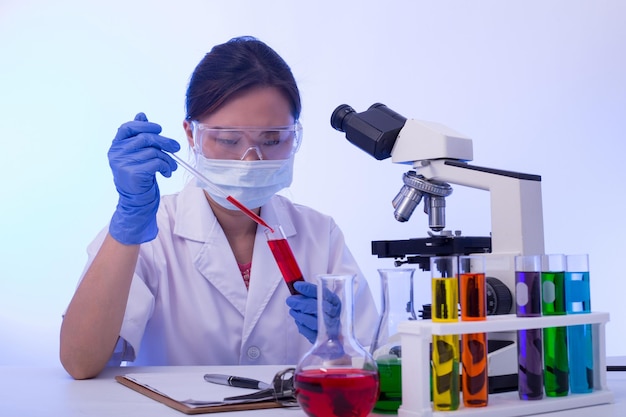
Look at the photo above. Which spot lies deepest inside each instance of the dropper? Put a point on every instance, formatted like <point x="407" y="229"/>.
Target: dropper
<point x="215" y="189"/>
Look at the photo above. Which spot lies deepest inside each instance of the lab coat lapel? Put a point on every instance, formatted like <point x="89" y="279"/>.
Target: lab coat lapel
<point x="216" y="262"/>
<point x="265" y="277"/>
<point x="209" y="248"/>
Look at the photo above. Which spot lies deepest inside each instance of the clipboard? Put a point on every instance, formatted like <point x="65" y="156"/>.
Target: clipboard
<point x="181" y="406"/>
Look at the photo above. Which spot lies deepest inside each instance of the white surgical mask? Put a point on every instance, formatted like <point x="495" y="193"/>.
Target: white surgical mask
<point x="252" y="183"/>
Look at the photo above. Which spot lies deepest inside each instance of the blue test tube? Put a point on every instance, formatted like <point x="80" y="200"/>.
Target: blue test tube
<point x="580" y="340"/>
<point x="529" y="341"/>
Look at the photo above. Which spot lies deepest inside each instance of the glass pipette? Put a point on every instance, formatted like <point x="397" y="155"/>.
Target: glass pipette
<point x="215" y="189"/>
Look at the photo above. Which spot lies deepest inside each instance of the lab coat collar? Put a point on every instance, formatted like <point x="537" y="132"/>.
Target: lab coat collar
<point x="194" y="217"/>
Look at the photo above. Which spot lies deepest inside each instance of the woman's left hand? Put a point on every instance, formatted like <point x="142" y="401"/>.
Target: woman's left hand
<point x="303" y="308"/>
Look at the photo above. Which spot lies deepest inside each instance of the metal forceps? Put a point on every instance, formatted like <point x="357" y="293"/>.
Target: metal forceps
<point x="281" y="391"/>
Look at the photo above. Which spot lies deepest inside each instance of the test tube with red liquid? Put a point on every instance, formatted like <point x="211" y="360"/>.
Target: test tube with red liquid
<point x="283" y="255"/>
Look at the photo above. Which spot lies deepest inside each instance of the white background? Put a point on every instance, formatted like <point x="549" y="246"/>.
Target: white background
<point x="540" y="86"/>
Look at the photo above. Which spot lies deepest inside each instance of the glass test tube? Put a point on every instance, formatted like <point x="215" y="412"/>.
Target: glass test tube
<point x="529" y="341"/>
<point x="474" y="346"/>
<point x="445" y="350"/>
<point x="580" y="340"/>
<point x="555" y="361"/>
<point x="283" y="255"/>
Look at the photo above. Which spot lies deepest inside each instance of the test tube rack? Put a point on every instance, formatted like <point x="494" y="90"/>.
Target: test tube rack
<point x="416" y="337"/>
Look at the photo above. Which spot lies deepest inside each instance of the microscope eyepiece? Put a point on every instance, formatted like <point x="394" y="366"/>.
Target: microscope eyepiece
<point x="339" y="115"/>
<point x="373" y="131"/>
<point x="390" y="113"/>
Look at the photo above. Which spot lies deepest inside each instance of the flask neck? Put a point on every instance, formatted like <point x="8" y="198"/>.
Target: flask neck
<point x="335" y="346"/>
<point x="397" y="305"/>
<point x="335" y="306"/>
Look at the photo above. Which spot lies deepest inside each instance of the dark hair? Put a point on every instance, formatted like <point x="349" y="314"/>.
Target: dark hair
<point x="236" y="66"/>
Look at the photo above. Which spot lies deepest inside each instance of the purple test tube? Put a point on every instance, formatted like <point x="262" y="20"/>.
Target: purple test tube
<point x="529" y="341"/>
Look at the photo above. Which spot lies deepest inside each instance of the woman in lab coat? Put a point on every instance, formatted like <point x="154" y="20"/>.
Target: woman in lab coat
<point x="187" y="279"/>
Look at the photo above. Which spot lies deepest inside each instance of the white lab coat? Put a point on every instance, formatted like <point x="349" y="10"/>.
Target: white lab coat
<point x="188" y="304"/>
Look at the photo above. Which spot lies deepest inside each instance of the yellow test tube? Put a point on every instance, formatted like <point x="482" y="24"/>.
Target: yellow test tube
<point x="445" y="348"/>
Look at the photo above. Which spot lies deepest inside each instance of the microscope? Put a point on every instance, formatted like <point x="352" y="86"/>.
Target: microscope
<point x="439" y="157"/>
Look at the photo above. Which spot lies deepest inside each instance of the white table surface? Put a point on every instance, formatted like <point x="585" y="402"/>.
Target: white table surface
<point x="40" y="392"/>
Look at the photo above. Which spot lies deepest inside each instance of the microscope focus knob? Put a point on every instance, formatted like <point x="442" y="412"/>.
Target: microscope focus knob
<point x="499" y="297"/>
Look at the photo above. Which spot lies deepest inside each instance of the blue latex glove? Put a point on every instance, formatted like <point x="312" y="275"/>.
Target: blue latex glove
<point x="303" y="308"/>
<point x="135" y="157"/>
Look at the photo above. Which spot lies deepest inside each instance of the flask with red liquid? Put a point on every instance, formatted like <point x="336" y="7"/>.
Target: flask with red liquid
<point x="337" y="377"/>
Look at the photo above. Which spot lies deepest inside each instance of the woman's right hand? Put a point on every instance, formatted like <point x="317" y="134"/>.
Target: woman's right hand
<point x="93" y="320"/>
<point x="135" y="156"/>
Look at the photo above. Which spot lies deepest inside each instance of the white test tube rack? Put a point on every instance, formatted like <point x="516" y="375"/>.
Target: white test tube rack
<point x="416" y="337"/>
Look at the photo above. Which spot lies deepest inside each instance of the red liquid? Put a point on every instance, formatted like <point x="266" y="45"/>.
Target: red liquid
<point x="286" y="262"/>
<point x="337" y="392"/>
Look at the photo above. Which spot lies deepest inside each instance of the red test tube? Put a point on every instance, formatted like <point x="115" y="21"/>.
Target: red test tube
<point x="283" y="255"/>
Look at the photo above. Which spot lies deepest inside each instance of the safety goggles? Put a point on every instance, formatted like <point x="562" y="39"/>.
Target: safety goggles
<point x="276" y="142"/>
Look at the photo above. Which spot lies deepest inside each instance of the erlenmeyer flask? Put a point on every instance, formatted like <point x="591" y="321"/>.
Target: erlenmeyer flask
<point x="396" y="286"/>
<point x="337" y="377"/>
